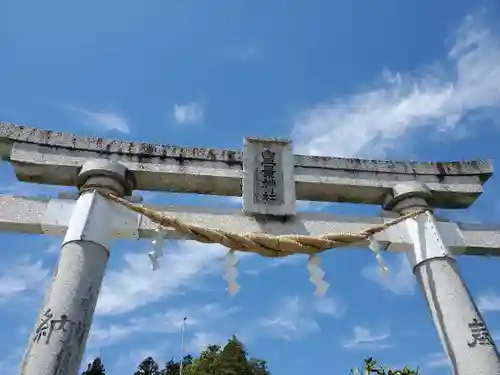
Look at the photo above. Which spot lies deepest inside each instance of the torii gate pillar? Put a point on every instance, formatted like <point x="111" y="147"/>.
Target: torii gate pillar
<point x="58" y="340"/>
<point x="459" y="324"/>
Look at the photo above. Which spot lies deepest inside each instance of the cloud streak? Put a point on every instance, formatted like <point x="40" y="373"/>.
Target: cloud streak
<point x="489" y="302"/>
<point x="189" y="114"/>
<point x="24" y="276"/>
<point x="135" y="284"/>
<point x="364" y="338"/>
<point x="289" y="321"/>
<point x="199" y="320"/>
<point x="294" y="318"/>
<point x="399" y="280"/>
<point x="437" y="360"/>
<point x="440" y="98"/>
<point x="102" y="120"/>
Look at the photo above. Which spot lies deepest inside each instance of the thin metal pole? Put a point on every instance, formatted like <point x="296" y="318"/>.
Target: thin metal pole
<point x="183" y="329"/>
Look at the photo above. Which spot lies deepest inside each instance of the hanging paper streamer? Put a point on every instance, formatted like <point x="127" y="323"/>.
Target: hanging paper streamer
<point x="231" y="273"/>
<point x="377" y="249"/>
<point x="157" y="251"/>
<point x="316" y="275"/>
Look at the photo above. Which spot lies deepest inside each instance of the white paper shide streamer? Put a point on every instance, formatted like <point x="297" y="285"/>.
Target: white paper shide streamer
<point x="377" y="249"/>
<point x="157" y="251"/>
<point x="317" y="275"/>
<point x="231" y="273"/>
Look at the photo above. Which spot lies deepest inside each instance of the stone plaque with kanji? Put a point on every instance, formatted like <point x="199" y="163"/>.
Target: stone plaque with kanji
<point x="268" y="182"/>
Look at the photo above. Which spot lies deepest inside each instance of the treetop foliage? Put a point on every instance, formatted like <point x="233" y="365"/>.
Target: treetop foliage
<point x="370" y="367"/>
<point x="232" y="359"/>
<point x="95" y="368"/>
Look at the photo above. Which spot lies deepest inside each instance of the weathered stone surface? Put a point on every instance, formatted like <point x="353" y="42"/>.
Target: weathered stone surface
<point x="268" y="177"/>
<point x="55" y="158"/>
<point x="44" y="216"/>
<point x="25" y="134"/>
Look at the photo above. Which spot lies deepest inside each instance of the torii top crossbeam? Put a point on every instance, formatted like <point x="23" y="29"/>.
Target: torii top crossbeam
<point x="48" y="157"/>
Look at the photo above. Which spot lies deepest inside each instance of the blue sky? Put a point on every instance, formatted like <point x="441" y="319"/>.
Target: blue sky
<point x="378" y="79"/>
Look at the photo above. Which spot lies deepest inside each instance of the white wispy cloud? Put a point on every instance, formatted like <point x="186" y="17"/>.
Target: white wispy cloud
<point x="489" y="301"/>
<point x="110" y="334"/>
<point x="286" y="261"/>
<point x="399" y="279"/>
<point x="289" y="320"/>
<point x="366" y="338"/>
<point x="132" y="358"/>
<point x="200" y="320"/>
<point x="134" y="284"/>
<point x="189" y="113"/>
<point x="22" y="276"/>
<point x="200" y="340"/>
<point x="102" y="120"/>
<point x="294" y="317"/>
<point x="436" y="360"/>
<point x="368" y="122"/>
<point x="330" y="306"/>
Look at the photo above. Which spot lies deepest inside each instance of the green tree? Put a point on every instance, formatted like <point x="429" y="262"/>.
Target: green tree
<point x="205" y="363"/>
<point x="148" y="367"/>
<point x="230" y="360"/>
<point x="233" y="358"/>
<point x="173" y="368"/>
<point x="258" y="366"/>
<point x="370" y="367"/>
<point x="187" y="360"/>
<point x="95" y="368"/>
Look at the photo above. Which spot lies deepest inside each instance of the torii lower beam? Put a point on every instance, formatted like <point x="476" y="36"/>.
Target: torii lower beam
<point x="51" y="216"/>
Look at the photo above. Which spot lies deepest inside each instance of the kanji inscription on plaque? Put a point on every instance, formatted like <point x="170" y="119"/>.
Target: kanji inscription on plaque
<point x="268" y="183"/>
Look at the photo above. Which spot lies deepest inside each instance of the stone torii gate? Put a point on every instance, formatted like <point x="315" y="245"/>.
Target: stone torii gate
<point x="270" y="178"/>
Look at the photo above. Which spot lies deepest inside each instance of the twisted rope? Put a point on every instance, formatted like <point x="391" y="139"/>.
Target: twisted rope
<point x="264" y="244"/>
